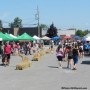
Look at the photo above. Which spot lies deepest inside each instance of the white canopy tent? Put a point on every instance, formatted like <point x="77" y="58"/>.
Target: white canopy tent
<point x="0" y="39"/>
<point x="13" y="36"/>
<point x="45" y="38"/>
<point x="88" y="38"/>
<point x="36" y="37"/>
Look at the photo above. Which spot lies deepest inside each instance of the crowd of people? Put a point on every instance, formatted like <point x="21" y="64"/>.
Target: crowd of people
<point x="71" y="52"/>
<point x="13" y="48"/>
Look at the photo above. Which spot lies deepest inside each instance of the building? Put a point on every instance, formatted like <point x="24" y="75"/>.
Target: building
<point x="18" y="31"/>
<point x="67" y="32"/>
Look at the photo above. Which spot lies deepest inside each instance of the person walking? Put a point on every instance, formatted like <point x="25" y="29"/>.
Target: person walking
<point x="66" y="53"/>
<point x="70" y="57"/>
<point x="7" y="52"/>
<point x="81" y="51"/>
<point x="76" y="55"/>
<point x="59" y="55"/>
<point x="85" y="47"/>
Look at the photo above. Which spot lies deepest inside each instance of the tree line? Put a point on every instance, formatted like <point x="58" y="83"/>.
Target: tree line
<point x="51" y="31"/>
<point x="82" y="33"/>
<point x="18" y="24"/>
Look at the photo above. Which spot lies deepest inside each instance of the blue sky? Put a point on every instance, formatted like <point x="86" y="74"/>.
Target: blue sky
<point x="63" y="13"/>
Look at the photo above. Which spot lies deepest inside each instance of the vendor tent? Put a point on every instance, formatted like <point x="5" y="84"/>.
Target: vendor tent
<point x="0" y="39"/>
<point x="86" y="36"/>
<point x="13" y="36"/>
<point x="4" y="37"/>
<point x="36" y="37"/>
<point x="83" y="40"/>
<point x="45" y="38"/>
<point x="10" y="37"/>
<point x="88" y="39"/>
<point x="25" y="36"/>
<point x="67" y="37"/>
<point x="76" y="37"/>
<point x="55" y="38"/>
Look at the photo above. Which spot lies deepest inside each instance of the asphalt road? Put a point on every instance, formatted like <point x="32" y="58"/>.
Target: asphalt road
<point x="45" y="75"/>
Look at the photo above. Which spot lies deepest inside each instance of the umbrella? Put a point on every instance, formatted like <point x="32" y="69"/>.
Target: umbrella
<point x="67" y="37"/>
<point x="25" y="36"/>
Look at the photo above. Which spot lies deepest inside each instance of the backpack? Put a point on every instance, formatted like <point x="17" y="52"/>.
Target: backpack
<point x="70" y="53"/>
<point x="80" y="49"/>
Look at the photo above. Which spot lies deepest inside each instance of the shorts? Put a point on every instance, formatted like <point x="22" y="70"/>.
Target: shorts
<point x="7" y="56"/>
<point x="80" y="50"/>
<point x="60" y="58"/>
<point x="75" y="59"/>
<point x="70" y="57"/>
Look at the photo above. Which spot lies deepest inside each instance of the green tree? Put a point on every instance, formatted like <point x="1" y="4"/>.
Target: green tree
<point x="1" y="26"/>
<point x="17" y="23"/>
<point x="80" y="33"/>
<point x="11" y="25"/>
<point x="44" y="26"/>
<point x="86" y="32"/>
<point x="52" y="31"/>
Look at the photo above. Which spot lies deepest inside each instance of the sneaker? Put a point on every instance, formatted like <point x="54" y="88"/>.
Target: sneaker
<point x="74" y="69"/>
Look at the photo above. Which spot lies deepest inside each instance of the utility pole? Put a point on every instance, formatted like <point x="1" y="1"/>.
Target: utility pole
<point x="37" y="18"/>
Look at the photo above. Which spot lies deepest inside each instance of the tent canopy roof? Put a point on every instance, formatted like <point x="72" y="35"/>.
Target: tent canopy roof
<point x="4" y="37"/>
<point x="25" y="36"/>
<point x="45" y="38"/>
<point x="36" y="37"/>
<point x="56" y="38"/>
<point x="67" y="37"/>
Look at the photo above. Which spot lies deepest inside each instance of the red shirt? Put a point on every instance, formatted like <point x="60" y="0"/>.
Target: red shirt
<point x="7" y="49"/>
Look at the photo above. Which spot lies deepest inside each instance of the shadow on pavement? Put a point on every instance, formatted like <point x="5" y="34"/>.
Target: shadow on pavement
<point x="52" y="67"/>
<point x="85" y="62"/>
<point x="87" y="55"/>
<point x="1" y="64"/>
<point x="64" y="67"/>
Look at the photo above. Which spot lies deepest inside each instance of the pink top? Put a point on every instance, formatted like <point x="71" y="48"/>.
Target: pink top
<point x="60" y="52"/>
<point x="7" y="49"/>
<point x="18" y="46"/>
